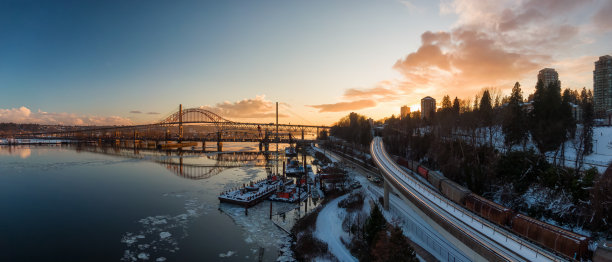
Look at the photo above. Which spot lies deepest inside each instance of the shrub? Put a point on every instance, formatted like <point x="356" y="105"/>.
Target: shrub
<point x="353" y="202"/>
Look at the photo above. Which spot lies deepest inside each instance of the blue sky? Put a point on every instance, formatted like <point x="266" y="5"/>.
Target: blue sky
<point x="96" y="59"/>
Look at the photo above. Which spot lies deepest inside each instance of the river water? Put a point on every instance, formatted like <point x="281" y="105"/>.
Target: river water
<point x="86" y="203"/>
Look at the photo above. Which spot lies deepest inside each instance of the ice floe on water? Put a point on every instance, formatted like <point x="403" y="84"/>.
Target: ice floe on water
<point x="259" y="230"/>
<point x="159" y="235"/>
<point x="227" y="254"/>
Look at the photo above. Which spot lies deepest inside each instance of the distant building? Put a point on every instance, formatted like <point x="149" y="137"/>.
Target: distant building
<point x="548" y="76"/>
<point x="404" y="112"/>
<point x="371" y="121"/>
<point x="602" y="86"/>
<point x="428" y="107"/>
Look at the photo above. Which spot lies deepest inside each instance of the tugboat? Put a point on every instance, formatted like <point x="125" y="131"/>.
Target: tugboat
<point x="290" y="194"/>
<point x="253" y="193"/>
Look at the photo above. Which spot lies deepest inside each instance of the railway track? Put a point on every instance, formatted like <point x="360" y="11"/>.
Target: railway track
<point x="480" y="234"/>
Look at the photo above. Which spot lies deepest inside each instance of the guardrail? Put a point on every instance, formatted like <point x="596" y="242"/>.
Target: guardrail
<point x="378" y="151"/>
<point x="424" y="236"/>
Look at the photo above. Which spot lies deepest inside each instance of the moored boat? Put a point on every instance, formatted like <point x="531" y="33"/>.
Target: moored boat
<point x="250" y="195"/>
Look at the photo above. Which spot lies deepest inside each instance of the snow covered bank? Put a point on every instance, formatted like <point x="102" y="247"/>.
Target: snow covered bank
<point x="329" y="230"/>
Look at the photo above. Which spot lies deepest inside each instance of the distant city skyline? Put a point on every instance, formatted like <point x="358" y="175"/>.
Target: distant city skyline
<point x="117" y="62"/>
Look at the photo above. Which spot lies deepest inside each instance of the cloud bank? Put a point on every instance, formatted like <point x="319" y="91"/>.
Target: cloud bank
<point x="257" y="107"/>
<point x="25" y="115"/>
<point x="493" y="44"/>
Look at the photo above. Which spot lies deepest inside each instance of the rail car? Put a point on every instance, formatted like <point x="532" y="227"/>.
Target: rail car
<point x="490" y="210"/>
<point x="573" y="246"/>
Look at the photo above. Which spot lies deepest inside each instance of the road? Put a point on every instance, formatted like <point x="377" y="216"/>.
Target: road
<point x="483" y="235"/>
<point x="429" y="243"/>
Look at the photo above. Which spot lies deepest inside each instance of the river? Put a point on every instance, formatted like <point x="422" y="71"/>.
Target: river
<point x="87" y="203"/>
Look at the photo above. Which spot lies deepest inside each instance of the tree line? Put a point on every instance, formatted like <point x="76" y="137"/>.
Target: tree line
<point x="504" y="146"/>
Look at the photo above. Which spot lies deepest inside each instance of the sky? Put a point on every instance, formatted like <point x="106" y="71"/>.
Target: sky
<point x="134" y="62"/>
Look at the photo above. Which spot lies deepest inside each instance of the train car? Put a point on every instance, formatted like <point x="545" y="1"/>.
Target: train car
<point x="453" y="191"/>
<point x="570" y="244"/>
<point x="488" y="209"/>
<point x="423" y="171"/>
<point x="407" y="163"/>
<point x="434" y="178"/>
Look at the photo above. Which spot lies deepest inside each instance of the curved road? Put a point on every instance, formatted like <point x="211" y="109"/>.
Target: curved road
<point x="496" y="240"/>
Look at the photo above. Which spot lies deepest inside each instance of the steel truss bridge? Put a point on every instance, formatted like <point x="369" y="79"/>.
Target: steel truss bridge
<point x="192" y="124"/>
<point x="186" y="164"/>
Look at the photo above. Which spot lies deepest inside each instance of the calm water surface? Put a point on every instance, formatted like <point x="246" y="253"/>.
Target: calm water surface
<point x="68" y="203"/>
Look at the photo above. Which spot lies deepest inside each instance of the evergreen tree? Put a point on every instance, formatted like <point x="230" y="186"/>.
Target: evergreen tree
<point x="393" y="247"/>
<point x="547" y="125"/>
<point x="514" y="124"/>
<point x="486" y="109"/>
<point x="353" y="128"/>
<point x="374" y="224"/>
<point x="456" y="106"/>
<point x="586" y="103"/>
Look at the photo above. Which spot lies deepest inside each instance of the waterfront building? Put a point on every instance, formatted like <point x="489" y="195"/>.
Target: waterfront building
<point x="548" y="76"/>
<point x="602" y="86"/>
<point x="404" y="112"/>
<point x="428" y="107"/>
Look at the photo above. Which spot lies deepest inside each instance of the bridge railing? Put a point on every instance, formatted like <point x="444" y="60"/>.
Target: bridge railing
<point x="410" y="181"/>
<point x="424" y="236"/>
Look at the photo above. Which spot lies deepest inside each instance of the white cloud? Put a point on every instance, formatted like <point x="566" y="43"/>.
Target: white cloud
<point x="25" y="115"/>
<point x="257" y="107"/>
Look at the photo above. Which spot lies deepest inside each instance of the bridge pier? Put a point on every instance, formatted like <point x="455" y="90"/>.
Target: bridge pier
<point x="386" y="198"/>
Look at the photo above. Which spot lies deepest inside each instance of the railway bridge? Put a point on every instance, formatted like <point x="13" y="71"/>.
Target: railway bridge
<point x="191" y="124"/>
<point x="478" y="238"/>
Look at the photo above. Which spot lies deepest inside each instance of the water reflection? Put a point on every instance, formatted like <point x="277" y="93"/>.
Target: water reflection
<point x="188" y="164"/>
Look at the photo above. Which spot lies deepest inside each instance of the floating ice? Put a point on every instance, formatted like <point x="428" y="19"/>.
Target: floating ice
<point x="228" y="254"/>
<point x="163" y="235"/>
<point x="143" y="256"/>
<point x="160" y="234"/>
<point x="160" y="259"/>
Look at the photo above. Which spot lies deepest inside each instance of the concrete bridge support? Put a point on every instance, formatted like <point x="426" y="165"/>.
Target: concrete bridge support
<point x="219" y="143"/>
<point x="386" y="198"/>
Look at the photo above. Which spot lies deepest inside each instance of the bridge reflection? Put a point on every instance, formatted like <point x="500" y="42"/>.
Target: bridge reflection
<point x="189" y="164"/>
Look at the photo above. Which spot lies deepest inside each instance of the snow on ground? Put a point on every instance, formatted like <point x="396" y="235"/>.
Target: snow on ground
<point x="329" y="230"/>
<point x="413" y="226"/>
<point x="453" y="211"/>
<point x="160" y="234"/>
<point x="602" y="149"/>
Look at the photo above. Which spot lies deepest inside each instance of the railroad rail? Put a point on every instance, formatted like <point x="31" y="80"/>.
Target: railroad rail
<point x="487" y="239"/>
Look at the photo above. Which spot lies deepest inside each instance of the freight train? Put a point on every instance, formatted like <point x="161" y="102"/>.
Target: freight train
<point x="566" y="243"/>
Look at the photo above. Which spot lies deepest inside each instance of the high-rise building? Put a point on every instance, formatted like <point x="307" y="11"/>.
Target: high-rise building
<point x="602" y="86"/>
<point x="404" y="112"/>
<point x="548" y="76"/>
<point x="428" y="107"/>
